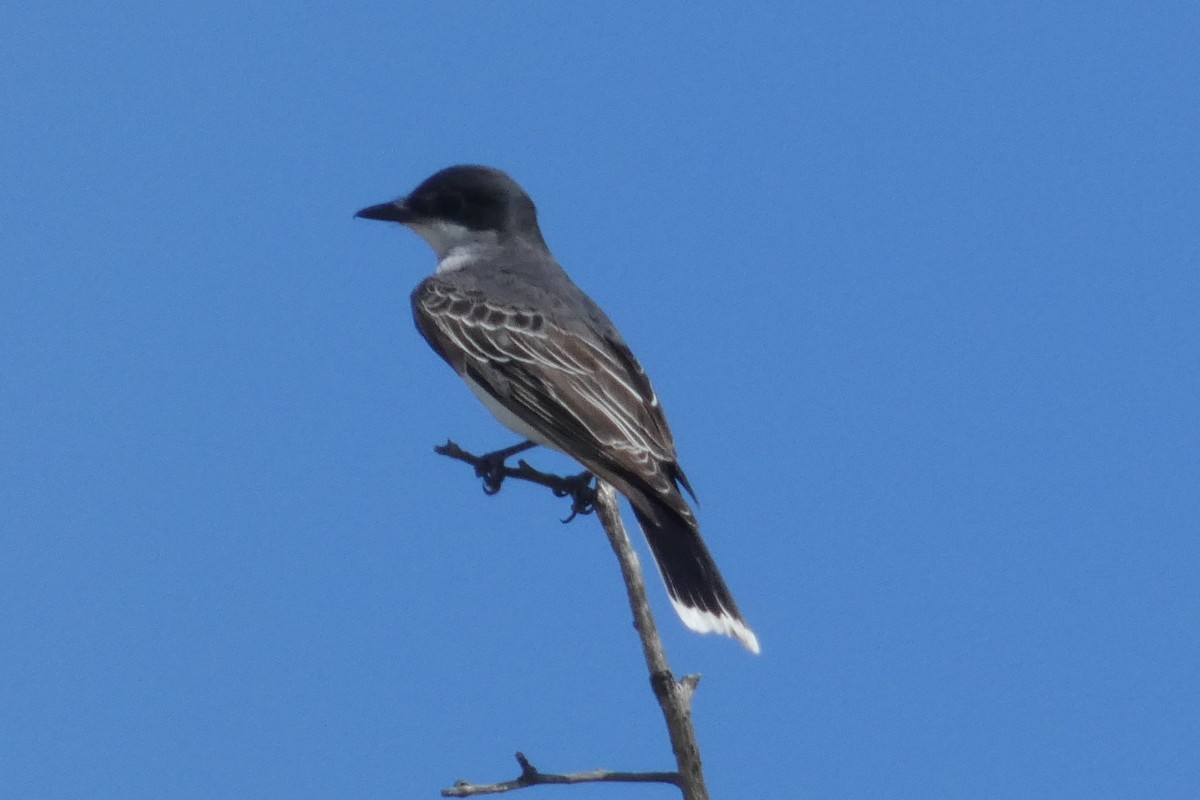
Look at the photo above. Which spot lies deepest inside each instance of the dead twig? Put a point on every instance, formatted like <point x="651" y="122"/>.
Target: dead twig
<point x="530" y="776"/>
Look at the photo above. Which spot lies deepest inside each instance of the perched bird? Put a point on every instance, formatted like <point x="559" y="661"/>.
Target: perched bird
<point x="550" y="365"/>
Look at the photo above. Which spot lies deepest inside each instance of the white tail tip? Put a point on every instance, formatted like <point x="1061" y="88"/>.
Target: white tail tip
<point x="703" y="621"/>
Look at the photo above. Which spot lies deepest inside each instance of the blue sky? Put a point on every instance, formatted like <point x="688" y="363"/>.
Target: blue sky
<point x="919" y="286"/>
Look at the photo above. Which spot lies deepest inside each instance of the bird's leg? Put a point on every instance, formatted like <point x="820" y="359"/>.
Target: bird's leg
<point x="490" y="466"/>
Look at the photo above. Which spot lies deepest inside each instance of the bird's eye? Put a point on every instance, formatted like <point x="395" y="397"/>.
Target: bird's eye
<point x="452" y="204"/>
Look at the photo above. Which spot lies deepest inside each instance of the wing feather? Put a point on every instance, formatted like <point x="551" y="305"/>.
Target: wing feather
<point x="583" y="390"/>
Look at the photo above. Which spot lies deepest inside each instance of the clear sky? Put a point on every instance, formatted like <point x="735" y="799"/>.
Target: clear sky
<point x="919" y="286"/>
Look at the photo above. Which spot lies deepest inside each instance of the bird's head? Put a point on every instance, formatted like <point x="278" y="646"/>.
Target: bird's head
<point x="462" y="205"/>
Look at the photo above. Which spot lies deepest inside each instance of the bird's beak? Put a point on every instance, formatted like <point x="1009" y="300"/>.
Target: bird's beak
<point x="395" y="211"/>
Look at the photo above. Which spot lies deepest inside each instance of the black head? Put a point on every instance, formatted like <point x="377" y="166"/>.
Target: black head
<point x="473" y="197"/>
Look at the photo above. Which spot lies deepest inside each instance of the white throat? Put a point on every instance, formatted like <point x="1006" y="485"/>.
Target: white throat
<point x="455" y="245"/>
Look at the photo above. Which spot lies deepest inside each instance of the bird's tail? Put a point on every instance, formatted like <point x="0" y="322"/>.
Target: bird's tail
<point x="697" y="590"/>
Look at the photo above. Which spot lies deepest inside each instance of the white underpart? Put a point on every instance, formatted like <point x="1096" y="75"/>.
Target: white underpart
<point x="507" y="418"/>
<point x="455" y="245"/>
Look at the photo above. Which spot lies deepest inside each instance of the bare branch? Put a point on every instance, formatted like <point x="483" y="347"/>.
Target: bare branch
<point x="493" y="470"/>
<point x="531" y="777"/>
<point x="674" y="696"/>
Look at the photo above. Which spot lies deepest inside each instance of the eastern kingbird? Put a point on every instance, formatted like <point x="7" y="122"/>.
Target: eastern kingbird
<point x="550" y="366"/>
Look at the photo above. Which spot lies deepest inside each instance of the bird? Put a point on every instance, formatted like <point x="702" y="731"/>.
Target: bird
<point x="550" y="365"/>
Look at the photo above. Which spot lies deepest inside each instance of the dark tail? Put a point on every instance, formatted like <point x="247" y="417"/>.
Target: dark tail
<point x="697" y="590"/>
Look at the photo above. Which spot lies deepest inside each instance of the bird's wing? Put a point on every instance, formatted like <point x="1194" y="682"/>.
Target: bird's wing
<point x="582" y="390"/>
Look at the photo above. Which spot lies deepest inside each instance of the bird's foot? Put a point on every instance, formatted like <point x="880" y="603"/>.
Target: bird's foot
<point x="491" y="468"/>
<point x="581" y="489"/>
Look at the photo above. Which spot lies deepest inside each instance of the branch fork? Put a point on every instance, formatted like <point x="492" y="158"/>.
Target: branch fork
<point x="674" y="696"/>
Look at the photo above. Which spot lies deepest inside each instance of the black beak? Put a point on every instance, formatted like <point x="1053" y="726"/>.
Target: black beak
<point x="395" y="211"/>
